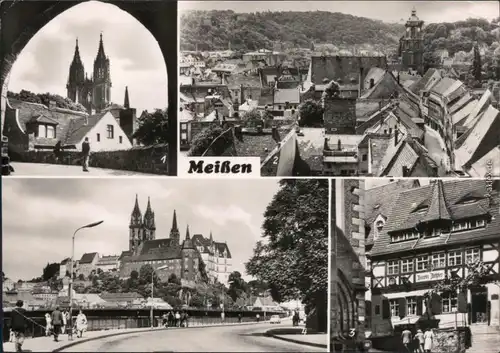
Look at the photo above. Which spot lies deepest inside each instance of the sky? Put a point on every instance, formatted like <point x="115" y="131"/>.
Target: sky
<point x="40" y="216"/>
<point x="135" y="57"/>
<point x="387" y="11"/>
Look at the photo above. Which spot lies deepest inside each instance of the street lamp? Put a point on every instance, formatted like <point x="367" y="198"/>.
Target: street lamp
<point x="91" y="225"/>
<point x="152" y="291"/>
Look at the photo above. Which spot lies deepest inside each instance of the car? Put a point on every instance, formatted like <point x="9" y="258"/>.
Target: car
<point x="275" y="319"/>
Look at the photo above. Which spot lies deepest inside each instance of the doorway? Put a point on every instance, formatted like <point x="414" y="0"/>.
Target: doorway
<point x="479" y="305"/>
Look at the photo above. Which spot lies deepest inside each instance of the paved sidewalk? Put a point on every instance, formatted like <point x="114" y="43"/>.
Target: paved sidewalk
<point x="293" y="334"/>
<point x="41" y="169"/>
<point x="47" y="344"/>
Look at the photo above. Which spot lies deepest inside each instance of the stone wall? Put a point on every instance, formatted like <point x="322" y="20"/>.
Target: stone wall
<point x="450" y="340"/>
<point x="138" y="159"/>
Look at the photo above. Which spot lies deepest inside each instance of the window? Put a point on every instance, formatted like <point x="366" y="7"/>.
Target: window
<point x="392" y="267"/>
<point x="98" y="137"/>
<point x="422" y="263"/>
<point x="411" y="304"/>
<point x="406" y="265"/>
<point x="183" y="136"/>
<point x="110" y="130"/>
<point x="472" y="255"/>
<point x="407" y="235"/>
<point x="449" y="301"/>
<point x="120" y="139"/>
<point x="454" y="258"/>
<point x="51" y="132"/>
<point x="438" y="261"/>
<point x="47" y="131"/>
<point x="183" y="126"/>
<point x="365" y="157"/>
<point x="394" y="307"/>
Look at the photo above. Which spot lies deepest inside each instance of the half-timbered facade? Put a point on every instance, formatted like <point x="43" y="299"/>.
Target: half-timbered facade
<point x="432" y="235"/>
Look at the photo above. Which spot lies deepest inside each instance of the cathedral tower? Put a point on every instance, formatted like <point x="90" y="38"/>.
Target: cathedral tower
<point x="76" y="76"/>
<point x="412" y="44"/>
<point x="135" y="227"/>
<point x="174" y="232"/>
<point x="189" y="254"/>
<point x="149" y="232"/>
<point x="102" y="79"/>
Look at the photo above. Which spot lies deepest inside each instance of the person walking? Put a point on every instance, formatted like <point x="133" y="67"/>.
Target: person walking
<point x="18" y="325"/>
<point x="85" y="154"/>
<point x="48" y="324"/>
<point x="177" y="319"/>
<point x="57" y="322"/>
<point x="186" y="319"/>
<point x="57" y="151"/>
<point x="239" y="318"/>
<point x="257" y="317"/>
<point x="419" y="337"/>
<point x="65" y="322"/>
<point x="81" y="324"/>
<point x="406" y="336"/>
<point x="428" y="340"/>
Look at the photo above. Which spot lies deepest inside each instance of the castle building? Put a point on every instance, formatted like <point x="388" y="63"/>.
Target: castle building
<point x="412" y="44"/>
<point x="216" y="256"/>
<point x="93" y="93"/>
<point x="174" y="256"/>
<point x="435" y="234"/>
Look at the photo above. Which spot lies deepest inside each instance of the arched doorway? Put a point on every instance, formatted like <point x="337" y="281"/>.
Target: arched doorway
<point x="23" y="19"/>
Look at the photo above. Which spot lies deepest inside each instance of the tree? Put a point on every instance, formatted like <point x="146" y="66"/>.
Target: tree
<point x="476" y="64"/>
<point x="431" y="60"/>
<point x="205" y="139"/>
<point x="237" y="285"/>
<point x="152" y="128"/>
<point x="134" y="274"/>
<point x="50" y="271"/>
<point x="197" y="301"/>
<point x="311" y="114"/>
<point x="81" y="277"/>
<point x="145" y="273"/>
<point x="173" y="279"/>
<point x="294" y="257"/>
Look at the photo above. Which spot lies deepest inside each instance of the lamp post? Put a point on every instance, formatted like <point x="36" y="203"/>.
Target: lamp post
<point x="152" y="292"/>
<point x="91" y="225"/>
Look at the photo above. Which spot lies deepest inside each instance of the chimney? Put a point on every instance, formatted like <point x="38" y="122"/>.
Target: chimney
<point x="238" y="133"/>
<point x="52" y="105"/>
<point x="396" y="137"/>
<point x="275" y="134"/>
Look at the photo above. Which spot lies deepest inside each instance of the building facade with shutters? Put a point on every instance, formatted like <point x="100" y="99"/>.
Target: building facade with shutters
<point x="433" y="236"/>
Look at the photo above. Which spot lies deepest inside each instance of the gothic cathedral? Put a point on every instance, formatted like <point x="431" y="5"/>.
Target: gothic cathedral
<point x="93" y="93"/>
<point x="141" y="229"/>
<point x="411" y="45"/>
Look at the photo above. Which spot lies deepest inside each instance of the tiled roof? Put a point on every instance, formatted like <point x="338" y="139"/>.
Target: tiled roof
<point x="403" y="216"/>
<point x="237" y="80"/>
<point x="221" y="247"/>
<point x="125" y="254"/>
<point x="391" y="152"/>
<point x="421" y="84"/>
<point x="79" y="127"/>
<point x="259" y="145"/>
<point x="311" y="147"/>
<point x="484" y="136"/>
<point x="438" y="208"/>
<point x="200" y="240"/>
<point x="378" y="148"/>
<point x="386" y="87"/>
<point x="406" y="157"/>
<point x="367" y="107"/>
<point x="481" y="106"/>
<point x="291" y="96"/>
<point x="107" y="260"/>
<point x="88" y="258"/>
<point x="345" y="68"/>
<point x="443" y="86"/>
<point x="65" y="261"/>
<point x="486" y="165"/>
<point x="380" y="200"/>
<point x="458" y="116"/>
<point x="199" y="91"/>
<point x="63" y="117"/>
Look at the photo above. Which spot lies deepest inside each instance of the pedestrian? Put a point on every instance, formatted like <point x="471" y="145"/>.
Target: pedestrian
<point x="239" y="318"/>
<point x="48" y="324"/>
<point x="222" y="316"/>
<point x="257" y="317"/>
<point x="183" y="317"/>
<point x="57" y="322"/>
<point x="428" y="340"/>
<point x="85" y="154"/>
<point x="18" y="325"/>
<point x="65" y="322"/>
<point x="164" y="320"/>
<point x="170" y="319"/>
<point x="419" y="338"/>
<point x="81" y="324"/>
<point x="57" y="151"/>
<point x="406" y="336"/>
<point x="186" y="319"/>
<point x="177" y="319"/>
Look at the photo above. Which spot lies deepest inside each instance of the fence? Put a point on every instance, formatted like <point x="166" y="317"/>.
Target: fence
<point x="135" y="319"/>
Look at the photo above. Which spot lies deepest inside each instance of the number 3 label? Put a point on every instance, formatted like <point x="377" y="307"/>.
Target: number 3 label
<point x="352" y="332"/>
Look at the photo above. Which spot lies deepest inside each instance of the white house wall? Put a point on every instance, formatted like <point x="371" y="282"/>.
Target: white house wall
<point x="105" y="143"/>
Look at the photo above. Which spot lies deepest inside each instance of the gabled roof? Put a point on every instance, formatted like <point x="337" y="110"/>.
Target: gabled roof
<point x="44" y="120"/>
<point x="221" y="247"/>
<point x="403" y="216"/>
<point x="88" y="258"/>
<point x="80" y="127"/>
<point x="386" y="87"/>
<point x="438" y="208"/>
<point x="486" y="165"/>
<point x="290" y="95"/>
<point x="65" y="261"/>
<point x="423" y="83"/>
<point x="344" y="68"/>
<point x="443" y="86"/>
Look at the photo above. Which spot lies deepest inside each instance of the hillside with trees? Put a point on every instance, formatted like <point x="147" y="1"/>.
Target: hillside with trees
<point x="214" y="30"/>
<point x="45" y="99"/>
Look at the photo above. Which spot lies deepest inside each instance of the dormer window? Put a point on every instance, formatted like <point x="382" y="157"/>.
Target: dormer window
<point x="379" y="225"/>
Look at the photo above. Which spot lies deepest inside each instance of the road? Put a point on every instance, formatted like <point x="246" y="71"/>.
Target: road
<point x="245" y="338"/>
<point x="39" y="169"/>
<point x="435" y="144"/>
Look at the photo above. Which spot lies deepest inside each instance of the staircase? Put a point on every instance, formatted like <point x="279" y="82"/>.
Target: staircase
<point x="485" y="339"/>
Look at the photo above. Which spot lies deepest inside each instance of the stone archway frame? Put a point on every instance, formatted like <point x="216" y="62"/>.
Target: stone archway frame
<point x="22" y="19"/>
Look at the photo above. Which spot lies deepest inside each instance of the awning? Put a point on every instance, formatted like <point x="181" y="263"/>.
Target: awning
<point x="409" y="320"/>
